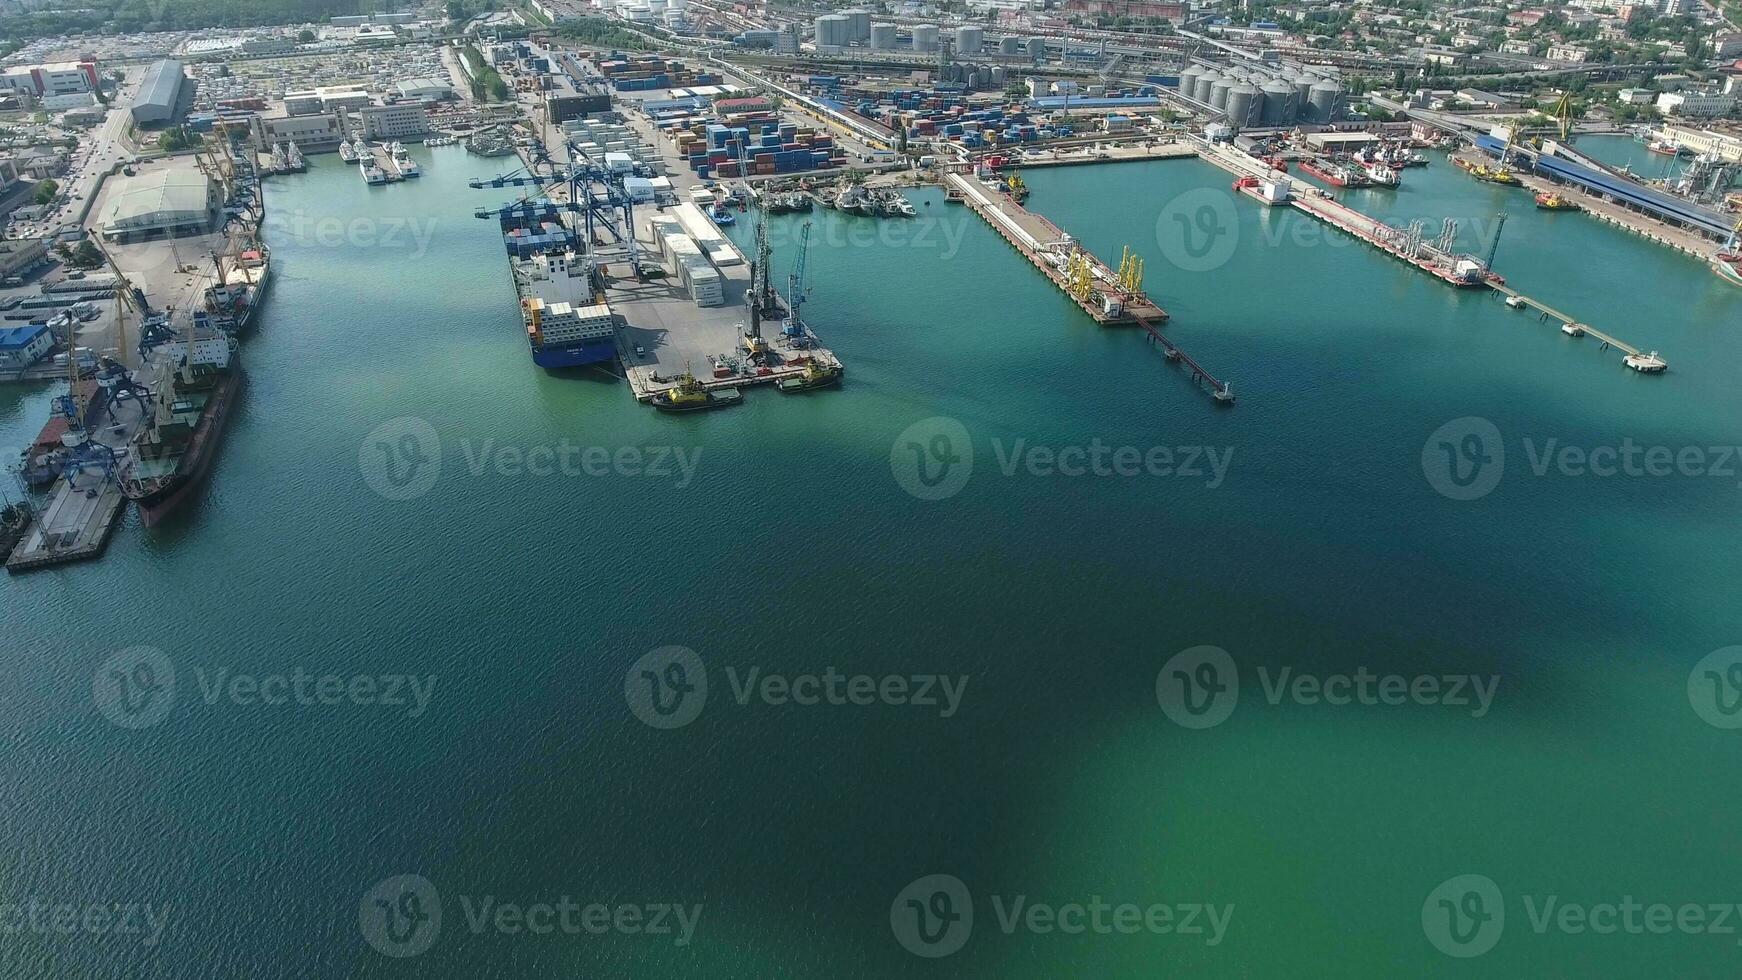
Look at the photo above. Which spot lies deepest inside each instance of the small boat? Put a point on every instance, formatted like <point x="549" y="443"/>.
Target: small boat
<point x="691" y="395"/>
<point x="347" y="153"/>
<point x="815" y="376"/>
<point x="1555" y="202"/>
<point x="722" y="217"/>
<point x="1516" y="302"/>
<point x="1646" y="363"/>
<point x="1573" y="329"/>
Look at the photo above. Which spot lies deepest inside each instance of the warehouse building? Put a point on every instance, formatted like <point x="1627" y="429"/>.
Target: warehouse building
<point x="164" y="95"/>
<point x="425" y="90"/>
<point x="165" y="204"/>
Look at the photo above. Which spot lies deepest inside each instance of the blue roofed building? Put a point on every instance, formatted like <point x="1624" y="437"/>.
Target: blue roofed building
<point x="20" y="347"/>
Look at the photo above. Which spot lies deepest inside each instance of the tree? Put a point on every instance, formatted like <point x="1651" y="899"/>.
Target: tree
<point x="46" y="190"/>
<point x="305" y="37"/>
<point x="86" y="255"/>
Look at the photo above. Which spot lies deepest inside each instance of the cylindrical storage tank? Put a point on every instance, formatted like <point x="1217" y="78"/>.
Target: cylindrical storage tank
<point x="1037" y="49"/>
<point x="1188" y="80"/>
<point x="925" y="37"/>
<point x="1219" y="90"/>
<point x="858" y="24"/>
<point x="968" y="41"/>
<point x="882" y="37"/>
<point x="1324" y="98"/>
<point x="1205" y="82"/>
<point x="1243" y="101"/>
<point x="831" y="30"/>
<point x="1010" y="45"/>
<point x="1000" y="75"/>
<point x="1278" y="103"/>
<point x="1303" y="89"/>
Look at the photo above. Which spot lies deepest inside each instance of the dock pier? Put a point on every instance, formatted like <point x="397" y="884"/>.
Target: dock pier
<point x="1106" y="301"/>
<point x="1423" y="255"/>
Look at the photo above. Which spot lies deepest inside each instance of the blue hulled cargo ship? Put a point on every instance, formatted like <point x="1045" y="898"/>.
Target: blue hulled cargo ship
<point x="568" y="324"/>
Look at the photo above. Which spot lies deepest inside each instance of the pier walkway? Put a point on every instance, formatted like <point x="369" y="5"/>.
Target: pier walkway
<point x="1050" y="248"/>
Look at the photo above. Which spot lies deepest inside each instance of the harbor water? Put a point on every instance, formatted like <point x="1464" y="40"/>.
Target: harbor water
<point x="385" y="506"/>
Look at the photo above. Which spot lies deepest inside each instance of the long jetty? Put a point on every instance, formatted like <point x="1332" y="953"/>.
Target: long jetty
<point x="1107" y="301"/>
<point x="1423" y="255"/>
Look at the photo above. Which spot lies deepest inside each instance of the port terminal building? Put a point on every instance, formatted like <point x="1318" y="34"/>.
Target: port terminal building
<point x="161" y="204"/>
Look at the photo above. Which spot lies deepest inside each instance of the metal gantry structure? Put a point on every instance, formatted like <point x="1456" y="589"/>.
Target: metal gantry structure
<point x="594" y="193"/>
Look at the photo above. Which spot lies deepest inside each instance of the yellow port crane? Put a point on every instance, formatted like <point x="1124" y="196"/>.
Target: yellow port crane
<point x="1079" y="276"/>
<point x="1130" y="271"/>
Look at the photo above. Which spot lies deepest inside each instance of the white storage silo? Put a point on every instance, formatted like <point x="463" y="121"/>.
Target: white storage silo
<point x="883" y="37"/>
<point x="858" y="24"/>
<point x="969" y="40"/>
<point x="925" y="37"/>
<point x="1244" y="100"/>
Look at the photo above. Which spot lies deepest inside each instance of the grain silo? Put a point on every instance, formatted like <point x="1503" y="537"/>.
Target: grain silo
<point x="1244" y="102"/>
<point x="1303" y="89"/>
<point x="969" y="40"/>
<point x="1037" y="49"/>
<point x="1219" y="90"/>
<point x="1278" y="103"/>
<point x="1188" y="81"/>
<point x="1325" y="96"/>
<point x="883" y="37"/>
<point x="1206" y="81"/>
<point x="925" y="37"/>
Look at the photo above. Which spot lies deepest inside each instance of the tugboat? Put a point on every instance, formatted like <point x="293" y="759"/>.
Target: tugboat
<point x="1553" y="201"/>
<point x="815" y="376"/>
<point x="691" y="395"/>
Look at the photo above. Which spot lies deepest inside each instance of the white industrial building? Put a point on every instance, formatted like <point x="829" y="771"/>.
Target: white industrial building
<point x="394" y="121"/>
<point x="425" y="89"/>
<point x="163" y="203"/>
<point x="1701" y="104"/>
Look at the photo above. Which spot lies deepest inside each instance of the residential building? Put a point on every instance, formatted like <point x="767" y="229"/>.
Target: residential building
<point x="1636" y="96"/>
<point x="1573" y="53"/>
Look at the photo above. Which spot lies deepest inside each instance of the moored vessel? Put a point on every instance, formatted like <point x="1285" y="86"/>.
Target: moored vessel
<point x="690" y="395"/>
<point x="815" y="376"/>
<point x="1553" y="201"/>
<point x="199" y="380"/>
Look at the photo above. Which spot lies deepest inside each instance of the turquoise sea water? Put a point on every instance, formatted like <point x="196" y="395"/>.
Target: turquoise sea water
<point x="1324" y="549"/>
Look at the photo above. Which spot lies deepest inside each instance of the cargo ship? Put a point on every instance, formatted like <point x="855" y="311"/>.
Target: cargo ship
<point x="199" y="380"/>
<point x="1335" y="174"/>
<point x="568" y="324"/>
<point x="231" y="303"/>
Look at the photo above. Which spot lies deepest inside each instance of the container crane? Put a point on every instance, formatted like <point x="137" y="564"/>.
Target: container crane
<point x="797" y="292"/>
